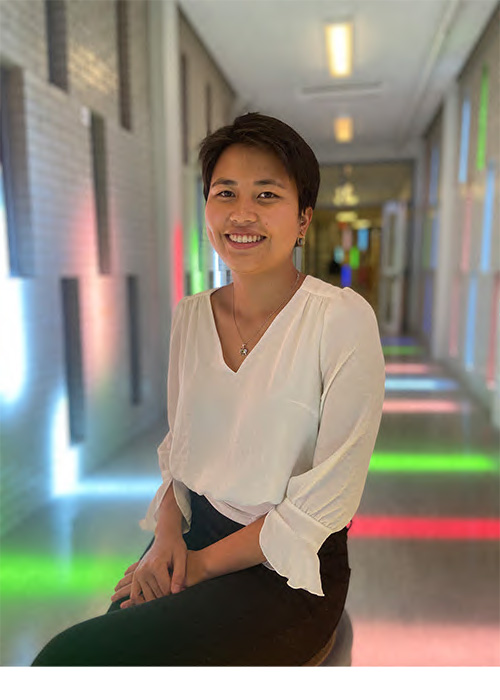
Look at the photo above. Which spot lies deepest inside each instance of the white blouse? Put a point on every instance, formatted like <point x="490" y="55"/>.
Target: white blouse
<point x="290" y="434"/>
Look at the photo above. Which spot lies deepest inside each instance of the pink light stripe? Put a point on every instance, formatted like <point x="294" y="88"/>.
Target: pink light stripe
<point x="466" y="231"/>
<point x="492" y="345"/>
<point x="383" y="643"/>
<point x="423" y="406"/>
<point x="454" y="317"/>
<point x="421" y="528"/>
<point x="401" y="368"/>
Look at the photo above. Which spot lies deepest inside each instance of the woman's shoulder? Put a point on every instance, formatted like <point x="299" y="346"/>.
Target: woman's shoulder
<point x="341" y="300"/>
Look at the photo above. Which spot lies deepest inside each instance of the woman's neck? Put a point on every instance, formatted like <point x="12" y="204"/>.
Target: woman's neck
<point x="258" y="295"/>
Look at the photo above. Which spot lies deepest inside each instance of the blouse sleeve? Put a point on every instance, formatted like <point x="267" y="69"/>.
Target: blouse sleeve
<point x="324" y="499"/>
<point x="173" y="385"/>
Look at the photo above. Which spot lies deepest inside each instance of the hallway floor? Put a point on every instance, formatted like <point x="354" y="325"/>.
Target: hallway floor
<point x="424" y="546"/>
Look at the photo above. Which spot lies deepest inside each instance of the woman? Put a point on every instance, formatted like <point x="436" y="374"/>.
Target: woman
<point x="275" y="394"/>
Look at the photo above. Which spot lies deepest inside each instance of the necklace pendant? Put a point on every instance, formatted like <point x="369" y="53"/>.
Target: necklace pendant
<point x="244" y="350"/>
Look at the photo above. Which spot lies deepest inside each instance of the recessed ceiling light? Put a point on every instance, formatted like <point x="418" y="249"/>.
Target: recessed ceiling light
<point x="339" y="48"/>
<point x="343" y="129"/>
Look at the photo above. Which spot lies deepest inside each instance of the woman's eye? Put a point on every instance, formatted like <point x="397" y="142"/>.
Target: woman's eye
<point x="268" y="195"/>
<point x="224" y="194"/>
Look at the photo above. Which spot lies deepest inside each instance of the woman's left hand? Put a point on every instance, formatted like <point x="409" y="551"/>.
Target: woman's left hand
<point x="195" y="573"/>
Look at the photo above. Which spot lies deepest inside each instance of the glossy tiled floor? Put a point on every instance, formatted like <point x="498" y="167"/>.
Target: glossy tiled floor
<point x="424" y="547"/>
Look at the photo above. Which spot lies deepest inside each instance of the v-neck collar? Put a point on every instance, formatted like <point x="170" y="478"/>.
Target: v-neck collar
<point x="216" y="334"/>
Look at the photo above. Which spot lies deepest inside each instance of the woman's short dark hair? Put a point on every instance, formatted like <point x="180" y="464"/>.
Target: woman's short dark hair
<point x="262" y="131"/>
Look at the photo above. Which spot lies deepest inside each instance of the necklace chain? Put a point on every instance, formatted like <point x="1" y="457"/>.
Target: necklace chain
<point x="244" y="349"/>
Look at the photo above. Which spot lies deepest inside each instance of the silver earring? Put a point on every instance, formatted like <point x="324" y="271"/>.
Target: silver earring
<point x="301" y="240"/>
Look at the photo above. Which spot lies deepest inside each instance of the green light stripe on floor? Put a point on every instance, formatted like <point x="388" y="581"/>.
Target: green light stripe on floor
<point x="35" y="576"/>
<point x="395" y="350"/>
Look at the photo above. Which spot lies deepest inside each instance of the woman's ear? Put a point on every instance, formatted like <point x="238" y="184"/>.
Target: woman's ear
<point x="305" y="219"/>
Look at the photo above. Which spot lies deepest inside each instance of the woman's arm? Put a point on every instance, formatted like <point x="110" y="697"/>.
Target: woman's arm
<point x="237" y="551"/>
<point x="162" y="570"/>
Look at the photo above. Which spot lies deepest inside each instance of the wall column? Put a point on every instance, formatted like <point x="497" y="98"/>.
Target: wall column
<point x="415" y="250"/>
<point x="447" y="237"/>
<point x="167" y="158"/>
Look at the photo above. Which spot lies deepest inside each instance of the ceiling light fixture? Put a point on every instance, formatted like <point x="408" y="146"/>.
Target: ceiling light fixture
<point x="343" y="129"/>
<point x="339" y="48"/>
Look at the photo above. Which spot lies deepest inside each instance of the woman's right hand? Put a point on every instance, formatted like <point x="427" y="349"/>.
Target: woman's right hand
<point x="160" y="572"/>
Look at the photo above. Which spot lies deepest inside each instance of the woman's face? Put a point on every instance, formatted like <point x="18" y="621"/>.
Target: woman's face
<point x="252" y="194"/>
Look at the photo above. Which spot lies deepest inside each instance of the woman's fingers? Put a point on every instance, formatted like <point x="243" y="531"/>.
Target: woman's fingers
<point x="125" y="581"/>
<point x="147" y="593"/>
<point x="121" y="593"/>
<point x="132" y="567"/>
<point x="179" y="572"/>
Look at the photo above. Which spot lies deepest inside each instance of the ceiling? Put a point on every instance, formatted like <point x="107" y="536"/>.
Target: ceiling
<point x="406" y="53"/>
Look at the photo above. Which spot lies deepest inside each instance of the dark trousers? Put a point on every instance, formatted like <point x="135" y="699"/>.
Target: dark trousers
<point x="247" y="618"/>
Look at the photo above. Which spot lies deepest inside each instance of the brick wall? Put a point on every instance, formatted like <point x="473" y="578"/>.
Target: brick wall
<point x="55" y="196"/>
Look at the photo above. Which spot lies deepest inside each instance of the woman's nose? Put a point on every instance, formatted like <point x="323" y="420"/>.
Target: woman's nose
<point x="243" y="213"/>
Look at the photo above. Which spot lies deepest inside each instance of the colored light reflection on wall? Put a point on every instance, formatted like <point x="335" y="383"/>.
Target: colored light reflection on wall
<point x="4" y="244"/>
<point x="488" y="219"/>
<point x="492" y="344"/>
<point x="347" y="238"/>
<point x="363" y="239"/>
<point x="354" y="258"/>
<point x="338" y="254"/>
<point x="178" y="267"/>
<point x="482" y="127"/>
<point x="428" y="300"/>
<point x="216" y="263"/>
<point x="470" y="336"/>
<point x="64" y="456"/>
<point x="466" y="232"/>
<point x="197" y="282"/>
<point x="425" y="406"/>
<point x="427" y="240"/>
<point x="434" y="176"/>
<point x="13" y="358"/>
<point x="422" y="528"/>
<point x="435" y="240"/>
<point x="454" y="317"/>
<point x="420" y="384"/>
<point x="415" y="462"/>
<point x="464" y="141"/>
<point x="345" y="276"/>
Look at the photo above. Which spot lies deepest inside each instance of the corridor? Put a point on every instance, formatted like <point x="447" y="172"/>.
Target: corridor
<point x="424" y="546"/>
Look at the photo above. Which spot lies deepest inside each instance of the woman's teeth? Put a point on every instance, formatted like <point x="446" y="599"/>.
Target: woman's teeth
<point x="246" y="239"/>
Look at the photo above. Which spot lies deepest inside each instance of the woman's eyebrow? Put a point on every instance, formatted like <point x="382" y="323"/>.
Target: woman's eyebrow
<point x="270" y="182"/>
<point x="233" y="183"/>
<point x="224" y="181"/>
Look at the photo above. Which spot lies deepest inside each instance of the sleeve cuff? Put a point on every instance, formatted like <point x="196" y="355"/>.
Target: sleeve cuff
<point x="181" y="493"/>
<point x="292" y="555"/>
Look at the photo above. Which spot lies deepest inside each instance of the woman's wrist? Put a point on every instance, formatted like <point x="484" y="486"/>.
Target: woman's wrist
<point x="169" y="516"/>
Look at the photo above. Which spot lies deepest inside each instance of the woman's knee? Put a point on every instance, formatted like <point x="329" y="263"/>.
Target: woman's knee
<point x="60" y="651"/>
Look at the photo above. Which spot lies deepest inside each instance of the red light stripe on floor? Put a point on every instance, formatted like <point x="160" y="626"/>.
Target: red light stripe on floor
<point x="425" y="528"/>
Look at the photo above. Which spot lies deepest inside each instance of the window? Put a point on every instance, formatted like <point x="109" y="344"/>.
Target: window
<point x="99" y="169"/>
<point x="122" y="34"/>
<point x="73" y="358"/>
<point x="55" y="21"/>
